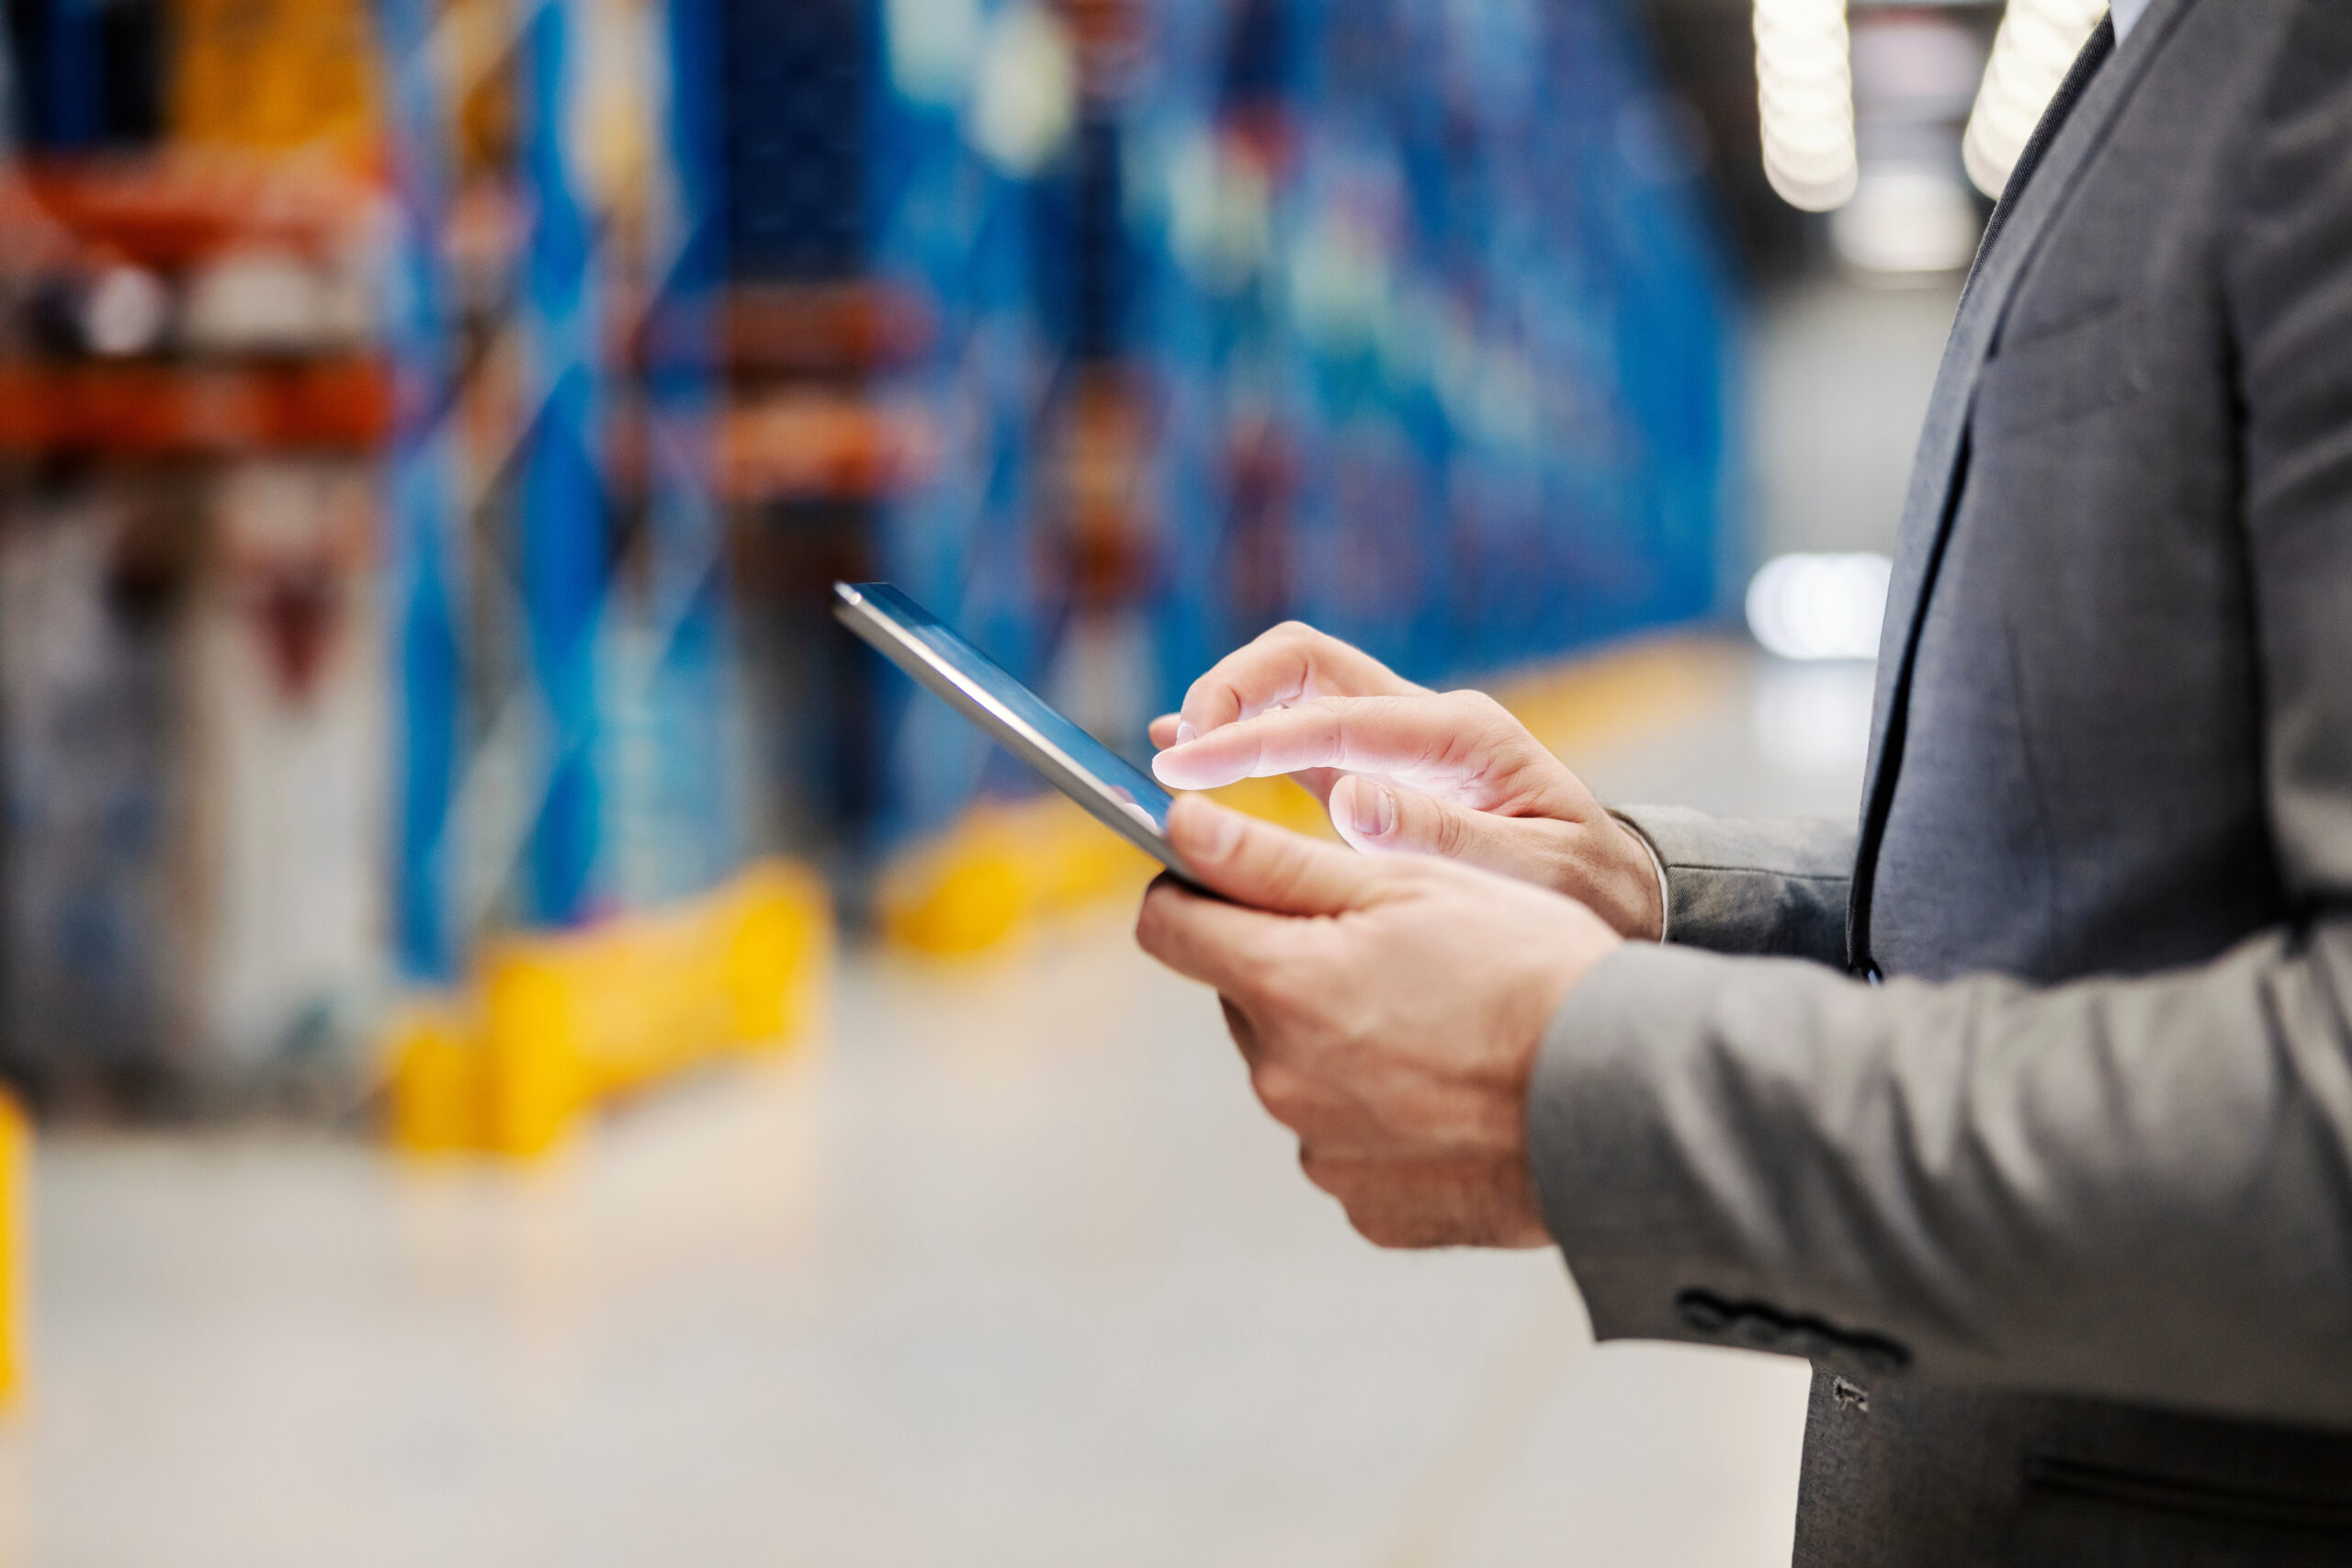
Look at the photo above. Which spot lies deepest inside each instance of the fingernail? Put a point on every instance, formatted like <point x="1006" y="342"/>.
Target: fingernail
<point x="1374" y="812"/>
<point x="1185" y="733"/>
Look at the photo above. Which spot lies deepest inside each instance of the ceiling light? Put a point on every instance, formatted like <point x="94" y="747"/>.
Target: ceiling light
<point x="2036" y="44"/>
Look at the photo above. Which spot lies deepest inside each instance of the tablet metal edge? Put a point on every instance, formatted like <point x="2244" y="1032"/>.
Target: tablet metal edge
<point x="1009" y="729"/>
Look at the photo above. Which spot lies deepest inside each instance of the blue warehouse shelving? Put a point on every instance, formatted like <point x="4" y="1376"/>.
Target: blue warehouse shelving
<point x="1113" y="331"/>
<point x="559" y="562"/>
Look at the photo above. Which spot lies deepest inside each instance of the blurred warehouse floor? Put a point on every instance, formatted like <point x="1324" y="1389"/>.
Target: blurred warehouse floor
<point x="1011" y="1272"/>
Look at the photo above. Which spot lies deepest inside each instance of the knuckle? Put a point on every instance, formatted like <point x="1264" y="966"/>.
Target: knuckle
<point x="1425" y="714"/>
<point x="1151" y="921"/>
<point x="1238" y="1024"/>
<point x="1324" y="727"/>
<point x="1282" y="978"/>
<point x="1356" y="1034"/>
<point x="1282" y="1089"/>
<point x="1449" y="831"/>
<point x="1488" y="722"/>
<point x="1216" y="698"/>
<point x="1256" y="975"/>
<point x="1284" y="872"/>
<point x="1307" y="960"/>
<point x="1377" y="1225"/>
<point x="1479" y="704"/>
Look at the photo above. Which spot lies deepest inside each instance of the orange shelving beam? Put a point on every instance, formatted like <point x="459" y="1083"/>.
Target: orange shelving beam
<point x="171" y="209"/>
<point x="150" y="409"/>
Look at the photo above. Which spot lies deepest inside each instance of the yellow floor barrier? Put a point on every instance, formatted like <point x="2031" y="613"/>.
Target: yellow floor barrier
<point x="16" y="1249"/>
<point x="555" y="1024"/>
<point x="1009" y="864"/>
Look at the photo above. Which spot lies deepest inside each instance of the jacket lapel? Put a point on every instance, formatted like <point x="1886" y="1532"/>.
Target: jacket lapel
<point x="2072" y="129"/>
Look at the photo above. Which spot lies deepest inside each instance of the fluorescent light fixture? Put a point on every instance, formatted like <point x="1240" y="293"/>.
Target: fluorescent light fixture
<point x="1805" y="93"/>
<point x="2038" y="41"/>
<point x="1819" y="607"/>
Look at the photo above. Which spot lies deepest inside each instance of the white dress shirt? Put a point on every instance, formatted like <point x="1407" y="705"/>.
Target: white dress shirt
<point x="2126" y="15"/>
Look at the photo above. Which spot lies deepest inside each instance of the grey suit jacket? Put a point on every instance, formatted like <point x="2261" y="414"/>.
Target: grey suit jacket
<point x="2063" y="1210"/>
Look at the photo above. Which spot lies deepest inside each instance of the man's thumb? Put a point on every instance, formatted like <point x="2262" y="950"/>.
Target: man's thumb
<point x="1381" y="818"/>
<point x="1265" y="867"/>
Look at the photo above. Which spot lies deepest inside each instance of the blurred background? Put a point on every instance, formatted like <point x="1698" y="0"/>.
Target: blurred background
<point x="529" y="1046"/>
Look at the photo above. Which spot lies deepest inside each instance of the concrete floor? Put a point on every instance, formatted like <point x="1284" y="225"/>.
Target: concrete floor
<point x="1012" y="1272"/>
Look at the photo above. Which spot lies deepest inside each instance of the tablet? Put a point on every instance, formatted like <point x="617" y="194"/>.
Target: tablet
<point x="1122" y="796"/>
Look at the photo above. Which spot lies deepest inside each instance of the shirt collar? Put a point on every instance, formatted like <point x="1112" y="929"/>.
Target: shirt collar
<point x="2126" y="15"/>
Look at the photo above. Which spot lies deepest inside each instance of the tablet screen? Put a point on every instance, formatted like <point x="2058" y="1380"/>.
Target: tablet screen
<point x="983" y="677"/>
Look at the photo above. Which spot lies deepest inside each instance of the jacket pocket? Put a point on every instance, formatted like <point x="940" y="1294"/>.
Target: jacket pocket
<point x="2085" y="1515"/>
<point x="2186" y="1495"/>
<point x="2050" y="378"/>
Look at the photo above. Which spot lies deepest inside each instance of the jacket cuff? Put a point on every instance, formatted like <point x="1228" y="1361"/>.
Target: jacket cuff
<point x="1657" y="866"/>
<point x="1754" y="888"/>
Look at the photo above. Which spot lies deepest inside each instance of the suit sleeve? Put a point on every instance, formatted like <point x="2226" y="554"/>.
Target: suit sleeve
<point x="2138" y="1189"/>
<point x="1752" y="887"/>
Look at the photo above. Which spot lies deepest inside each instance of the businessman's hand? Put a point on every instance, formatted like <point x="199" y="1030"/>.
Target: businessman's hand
<point x="1389" y="1010"/>
<point x="1403" y="767"/>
